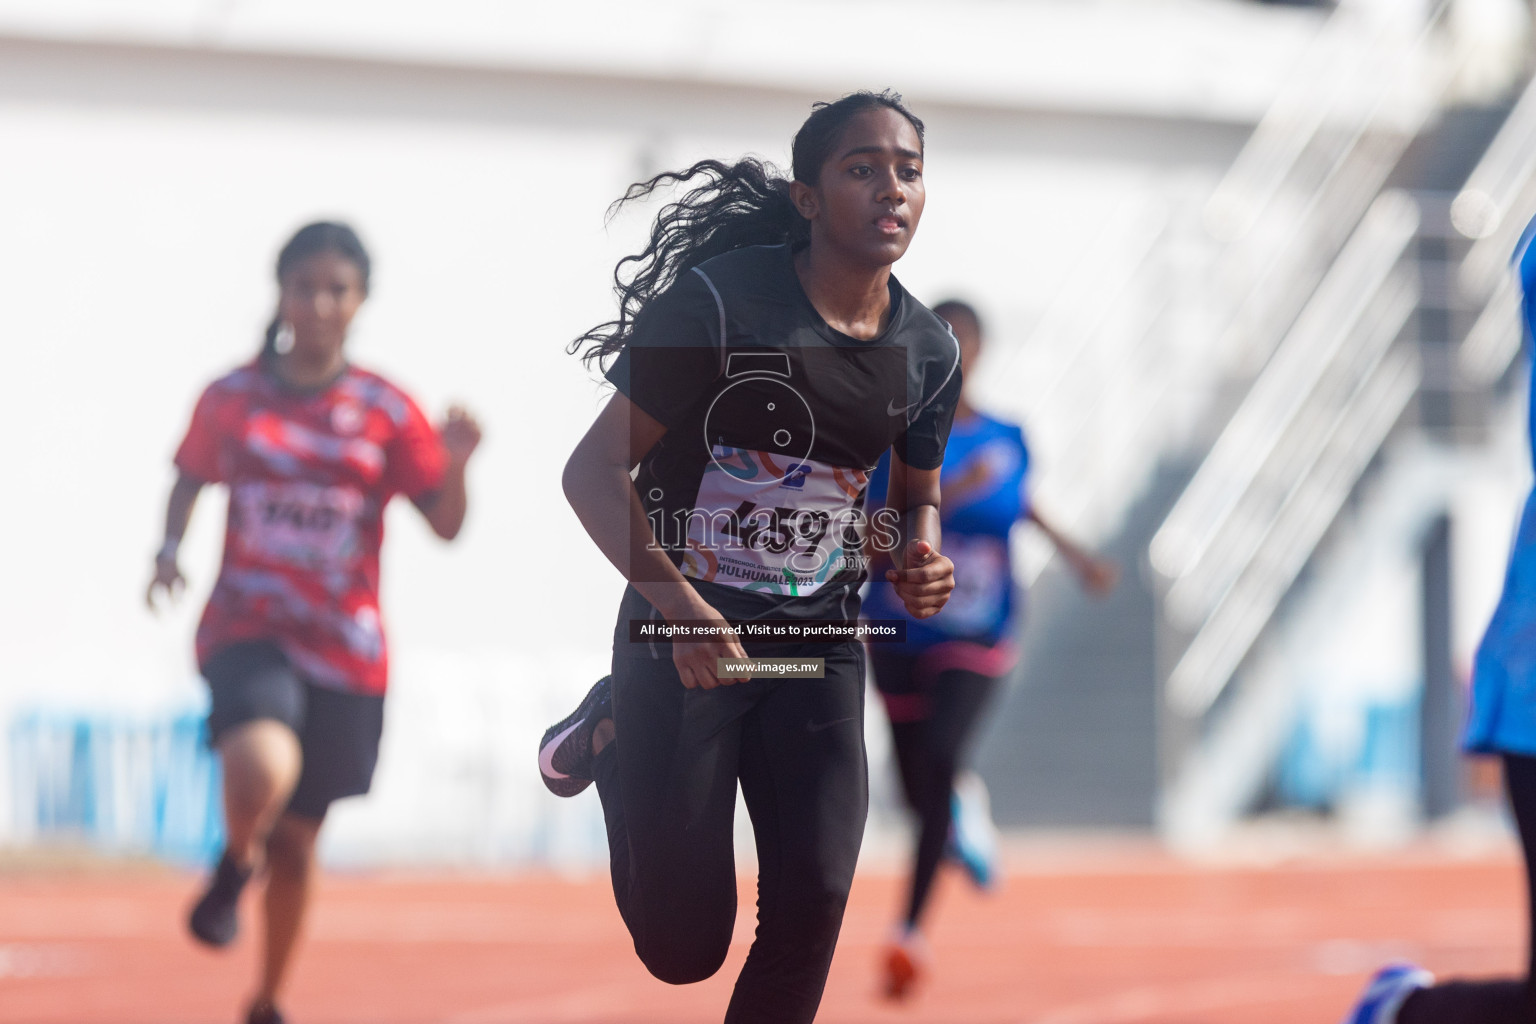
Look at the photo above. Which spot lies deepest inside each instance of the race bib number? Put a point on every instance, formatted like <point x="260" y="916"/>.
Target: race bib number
<point x="774" y="525"/>
<point x="299" y="523"/>
<point x="981" y="583"/>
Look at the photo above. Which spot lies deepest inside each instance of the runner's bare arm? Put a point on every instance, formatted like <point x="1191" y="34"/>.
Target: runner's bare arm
<point x="178" y="512"/>
<point x="1098" y="575"/>
<point x="925" y="577"/>
<point x="598" y="486"/>
<point x="445" y="507"/>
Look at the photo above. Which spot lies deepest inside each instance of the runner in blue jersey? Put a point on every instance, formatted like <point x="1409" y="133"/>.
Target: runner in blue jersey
<point x="1502" y="722"/>
<point x="936" y="684"/>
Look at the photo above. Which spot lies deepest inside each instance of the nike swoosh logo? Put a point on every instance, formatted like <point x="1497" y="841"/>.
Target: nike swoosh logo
<point x="893" y="409"/>
<point x="815" y="727"/>
<point x="547" y="755"/>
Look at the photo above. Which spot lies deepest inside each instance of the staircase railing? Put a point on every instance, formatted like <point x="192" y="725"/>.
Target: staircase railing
<point x="1493" y="208"/>
<point x="1289" y="457"/>
<point x="1109" y="392"/>
<point x="1323" y="408"/>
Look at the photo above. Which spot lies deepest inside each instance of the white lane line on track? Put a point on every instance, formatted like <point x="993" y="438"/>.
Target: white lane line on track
<point x="550" y="1009"/>
<point x="1163" y="1002"/>
<point x="30" y="961"/>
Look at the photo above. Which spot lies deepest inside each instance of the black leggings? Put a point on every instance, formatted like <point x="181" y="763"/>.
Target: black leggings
<point x="1507" y="1001"/>
<point x="668" y="787"/>
<point x="932" y="724"/>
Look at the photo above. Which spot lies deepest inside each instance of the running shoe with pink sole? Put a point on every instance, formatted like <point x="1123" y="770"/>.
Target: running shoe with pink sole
<point x="565" y="752"/>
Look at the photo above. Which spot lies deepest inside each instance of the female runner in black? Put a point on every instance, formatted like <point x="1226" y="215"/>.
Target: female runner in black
<point x="764" y="358"/>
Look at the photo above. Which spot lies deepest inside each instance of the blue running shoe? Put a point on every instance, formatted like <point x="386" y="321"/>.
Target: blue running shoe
<point x="1389" y="988"/>
<point x="972" y="836"/>
<point x="565" y="752"/>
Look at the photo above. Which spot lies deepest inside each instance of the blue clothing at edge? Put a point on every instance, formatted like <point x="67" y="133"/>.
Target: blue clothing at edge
<point x="976" y="523"/>
<point x="1503" y="713"/>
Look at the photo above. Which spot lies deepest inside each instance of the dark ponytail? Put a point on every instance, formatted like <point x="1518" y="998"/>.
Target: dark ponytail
<point x="311" y="240"/>
<point x="737" y="205"/>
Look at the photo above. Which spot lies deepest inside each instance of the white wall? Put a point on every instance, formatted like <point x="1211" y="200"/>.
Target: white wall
<point x="1204" y="59"/>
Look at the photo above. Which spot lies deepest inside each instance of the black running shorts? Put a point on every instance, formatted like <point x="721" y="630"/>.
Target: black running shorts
<point x="338" y="732"/>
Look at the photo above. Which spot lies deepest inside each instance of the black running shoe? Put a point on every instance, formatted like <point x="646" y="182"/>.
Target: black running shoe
<point x="264" y="1012"/>
<point x="565" y="753"/>
<point x="213" y="920"/>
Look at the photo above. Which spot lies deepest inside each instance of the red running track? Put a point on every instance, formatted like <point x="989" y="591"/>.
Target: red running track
<point x="1126" y="936"/>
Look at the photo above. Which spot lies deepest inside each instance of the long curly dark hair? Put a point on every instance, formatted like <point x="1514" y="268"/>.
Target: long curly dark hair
<point x="736" y="205"/>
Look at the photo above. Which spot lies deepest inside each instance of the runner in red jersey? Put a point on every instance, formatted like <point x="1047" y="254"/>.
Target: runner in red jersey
<point x="309" y="475"/>
<point x="291" y="643"/>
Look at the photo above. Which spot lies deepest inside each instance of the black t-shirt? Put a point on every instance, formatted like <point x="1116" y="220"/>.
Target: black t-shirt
<point x="774" y="422"/>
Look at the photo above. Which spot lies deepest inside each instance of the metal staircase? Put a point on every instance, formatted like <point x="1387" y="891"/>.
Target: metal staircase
<point x="1186" y="310"/>
<point x="1288" y="371"/>
<point x="1414" y="312"/>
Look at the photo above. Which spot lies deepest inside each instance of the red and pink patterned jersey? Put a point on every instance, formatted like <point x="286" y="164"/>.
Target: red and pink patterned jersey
<point x="309" y="474"/>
